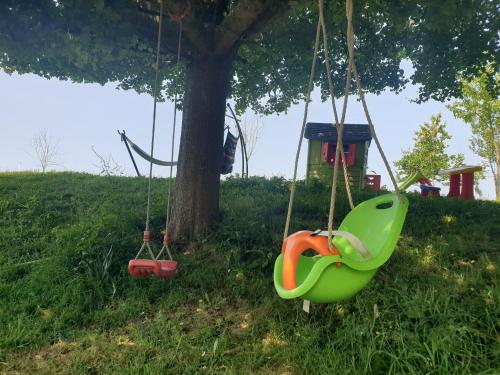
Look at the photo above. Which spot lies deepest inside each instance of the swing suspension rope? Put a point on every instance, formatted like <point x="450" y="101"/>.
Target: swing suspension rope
<point x="169" y="190"/>
<point x="349" y="11"/>
<point x="293" y="187"/>
<point x="338" y="125"/>
<point x="340" y="131"/>
<point x="351" y="71"/>
<point x="157" y="82"/>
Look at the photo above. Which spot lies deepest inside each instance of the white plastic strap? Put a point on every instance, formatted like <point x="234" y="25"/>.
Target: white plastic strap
<point x="355" y="241"/>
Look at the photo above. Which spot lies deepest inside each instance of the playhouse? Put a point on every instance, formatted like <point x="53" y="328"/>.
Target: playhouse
<point x="356" y="139"/>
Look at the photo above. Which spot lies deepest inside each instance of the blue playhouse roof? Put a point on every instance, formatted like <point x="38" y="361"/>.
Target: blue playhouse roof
<point x="326" y="132"/>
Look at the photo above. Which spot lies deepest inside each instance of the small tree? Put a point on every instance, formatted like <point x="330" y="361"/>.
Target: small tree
<point x="108" y="165"/>
<point x="480" y="109"/>
<point x="251" y="128"/>
<point x="46" y="149"/>
<point x="429" y="151"/>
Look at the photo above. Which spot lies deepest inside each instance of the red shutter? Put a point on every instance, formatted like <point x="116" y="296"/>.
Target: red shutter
<point x="328" y="153"/>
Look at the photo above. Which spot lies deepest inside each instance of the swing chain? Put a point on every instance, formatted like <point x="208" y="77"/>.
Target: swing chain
<point x="165" y="247"/>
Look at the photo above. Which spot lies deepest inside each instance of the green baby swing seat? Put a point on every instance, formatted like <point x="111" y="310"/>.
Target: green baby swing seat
<point x="367" y="236"/>
<point x="377" y="223"/>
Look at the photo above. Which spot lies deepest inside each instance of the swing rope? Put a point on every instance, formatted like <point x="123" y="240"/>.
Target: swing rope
<point x="333" y="195"/>
<point x="304" y="121"/>
<point x="349" y="11"/>
<point x="165" y="246"/>
<point x="147" y="233"/>
<point x="351" y="71"/>
<point x="334" y="107"/>
<point x="397" y="190"/>
<point x="155" y="95"/>
<point x="321" y="28"/>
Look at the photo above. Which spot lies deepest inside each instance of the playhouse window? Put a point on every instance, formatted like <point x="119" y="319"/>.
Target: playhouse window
<point x="329" y="149"/>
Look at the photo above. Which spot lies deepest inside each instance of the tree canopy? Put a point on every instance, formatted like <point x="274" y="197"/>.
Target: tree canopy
<point x="256" y="52"/>
<point x="114" y="41"/>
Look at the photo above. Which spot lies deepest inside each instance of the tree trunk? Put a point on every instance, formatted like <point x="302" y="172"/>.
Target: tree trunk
<point x="196" y="203"/>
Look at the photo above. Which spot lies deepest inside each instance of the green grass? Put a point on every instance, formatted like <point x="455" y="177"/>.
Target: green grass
<point x="68" y="305"/>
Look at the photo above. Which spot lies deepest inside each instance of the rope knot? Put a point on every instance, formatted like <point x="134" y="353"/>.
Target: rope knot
<point x="166" y="239"/>
<point x="178" y="17"/>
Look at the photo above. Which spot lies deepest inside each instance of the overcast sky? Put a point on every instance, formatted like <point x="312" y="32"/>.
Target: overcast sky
<point x="79" y="116"/>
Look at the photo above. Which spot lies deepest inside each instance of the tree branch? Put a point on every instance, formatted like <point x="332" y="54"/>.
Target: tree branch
<point x="193" y="35"/>
<point x="144" y="18"/>
<point x="247" y="18"/>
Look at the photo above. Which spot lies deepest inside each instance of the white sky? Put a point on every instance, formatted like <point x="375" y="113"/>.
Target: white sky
<point x="83" y="115"/>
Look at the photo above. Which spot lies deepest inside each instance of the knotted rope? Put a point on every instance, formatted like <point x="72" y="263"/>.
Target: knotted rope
<point x="339" y="156"/>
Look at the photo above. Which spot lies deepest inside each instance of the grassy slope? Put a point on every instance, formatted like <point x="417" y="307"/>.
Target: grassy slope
<point x="433" y="308"/>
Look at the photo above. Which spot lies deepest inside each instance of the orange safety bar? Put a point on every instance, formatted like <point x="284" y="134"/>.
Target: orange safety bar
<point x="294" y="246"/>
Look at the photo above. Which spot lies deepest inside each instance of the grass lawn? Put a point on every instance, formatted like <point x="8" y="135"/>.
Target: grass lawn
<point x="68" y="305"/>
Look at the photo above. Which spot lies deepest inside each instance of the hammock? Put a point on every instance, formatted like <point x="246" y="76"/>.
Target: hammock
<point x="143" y="154"/>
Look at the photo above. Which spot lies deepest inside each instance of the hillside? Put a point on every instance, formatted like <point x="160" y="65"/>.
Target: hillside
<point x="68" y="305"/>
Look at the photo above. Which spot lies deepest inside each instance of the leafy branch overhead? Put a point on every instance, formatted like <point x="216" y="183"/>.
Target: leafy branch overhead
<point x="269" y="41"/>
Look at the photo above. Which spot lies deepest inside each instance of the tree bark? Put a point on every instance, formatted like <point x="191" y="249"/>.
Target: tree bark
<point x="196" y="203"/>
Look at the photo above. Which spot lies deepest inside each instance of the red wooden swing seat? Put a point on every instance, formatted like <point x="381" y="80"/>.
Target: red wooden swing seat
<point x="166" y="268"/>
<point x="153" y="266"/>
<point x="146" y="267"/>
<point x="142" y="267"/>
